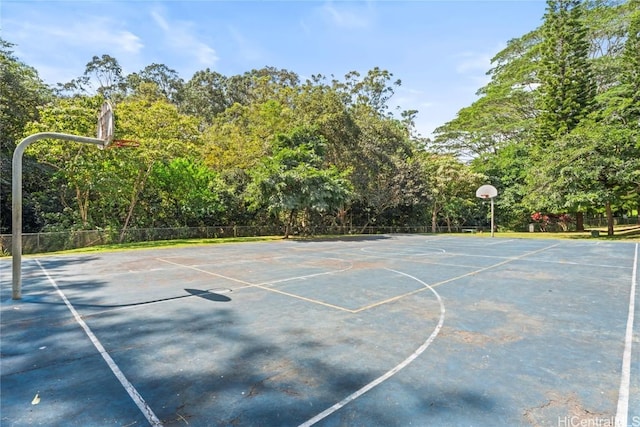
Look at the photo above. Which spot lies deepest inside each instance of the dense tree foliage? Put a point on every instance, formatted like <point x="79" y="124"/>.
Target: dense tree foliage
<point x="294" y="181"/>
<point x="21" y="93"/>
<point x="566" y="82"/>
<point x="555" y="130"/>
<point x="251" y="149"/>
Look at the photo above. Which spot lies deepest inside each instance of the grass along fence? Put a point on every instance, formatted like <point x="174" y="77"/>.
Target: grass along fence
<point x="65" y="240"/>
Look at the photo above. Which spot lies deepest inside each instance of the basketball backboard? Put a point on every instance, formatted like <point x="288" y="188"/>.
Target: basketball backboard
<point x="105" y="124"/>
<point x="486" y="192"/>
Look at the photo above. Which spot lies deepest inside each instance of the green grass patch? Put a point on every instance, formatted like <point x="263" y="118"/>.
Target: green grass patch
<point x="159" y="244"/>
<point x="628" y="233"/>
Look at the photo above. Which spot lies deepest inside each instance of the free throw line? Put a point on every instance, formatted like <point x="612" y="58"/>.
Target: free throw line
<point x="625" y="378"/>
<point x="131" y="390"/>
<point x="263" y="286"/>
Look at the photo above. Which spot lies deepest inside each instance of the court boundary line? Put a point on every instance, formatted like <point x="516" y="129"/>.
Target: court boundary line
<point x="115" y="369"/>
<point x="622" y="410"/>
<point x="353" y="396"/>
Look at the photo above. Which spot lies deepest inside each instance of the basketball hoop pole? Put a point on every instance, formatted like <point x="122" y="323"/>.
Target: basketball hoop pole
<point x="492" y="227"/>
<point x="16" y="198"/>
<point x="488" y="192"/>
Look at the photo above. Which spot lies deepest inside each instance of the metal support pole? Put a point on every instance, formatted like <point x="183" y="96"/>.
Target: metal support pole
<point x="16" y="199"/>
<point x="492" y="226"/>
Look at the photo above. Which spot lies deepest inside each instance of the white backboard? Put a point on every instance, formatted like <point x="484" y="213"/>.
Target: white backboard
<point x="486" y="192"/>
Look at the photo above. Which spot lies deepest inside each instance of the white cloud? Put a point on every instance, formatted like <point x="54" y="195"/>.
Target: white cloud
<point x="96" y="32"/>
<point x="42" y="43"/>
<point x="128" y="42"/>
<point x="159" y="20"/>
<point x="181" y="36"/>
<point x="410" y="98"/>
<point x="475" y="65"/>
<point x="473" y="62"/>
<point x="347" y="16"/>
<point x="247" y="49"/>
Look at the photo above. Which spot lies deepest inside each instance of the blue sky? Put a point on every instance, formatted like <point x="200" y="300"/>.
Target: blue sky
<point x="440" y="50"/>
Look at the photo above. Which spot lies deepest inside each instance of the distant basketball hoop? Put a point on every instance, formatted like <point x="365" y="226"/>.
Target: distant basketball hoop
<point x="488" y="192"/>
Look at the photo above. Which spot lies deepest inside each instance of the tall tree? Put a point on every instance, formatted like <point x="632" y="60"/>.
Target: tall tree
<point x="630" y="76"/>
<point x="205" y="95"/>
<point x="451" y="186"/>
<point x="166" y="80"/>
<point x="567" y="85"/>
<point x="102" y="76"/>
<point x="505" y="112"/>
<point x="294" y="180"/>
<point x="163" y="134"/>
<point x="22" y="92"/>
<point x="75" y="164"/>
<point x="183" y="192"/>
<point x="242" y="135"/>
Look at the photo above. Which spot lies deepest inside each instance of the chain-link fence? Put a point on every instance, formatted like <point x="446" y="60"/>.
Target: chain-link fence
<point x="57" y="241"/>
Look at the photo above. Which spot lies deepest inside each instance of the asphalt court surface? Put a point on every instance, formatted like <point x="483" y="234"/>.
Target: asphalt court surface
<point x="390" y="330"/>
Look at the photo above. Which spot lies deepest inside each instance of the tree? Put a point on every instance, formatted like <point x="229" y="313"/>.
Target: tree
<point x="382" y="174"/>
<point x="166" y="80"/>
<point x="102" y="76"/>
<point x="22" y="92"/>
<point x="593" y="162"/>
<point x="204" y="96"/>
<point x="163" y="134"/>
<point x="293" y="179"/>
<point x="74" y="164"/>
<point x="567" y="84"/>
<point x="596" y="165"/>
<point x="567" y="87"/>
<point x="451" y="186"/>
<point x="183" y="192"/>
<point x="507" y="171"/>
<point x="373" y="90"/>
<point x="505" y="112"/>
<point x="319" y="105"/>
<point x="630" y="76"/>
<point x="241" y="136"/>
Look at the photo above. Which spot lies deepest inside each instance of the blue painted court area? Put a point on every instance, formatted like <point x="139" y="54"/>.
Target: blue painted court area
<point x="393" y="330"/>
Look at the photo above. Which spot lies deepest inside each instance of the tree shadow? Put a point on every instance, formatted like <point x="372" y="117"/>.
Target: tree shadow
<point x="340" y="238"/>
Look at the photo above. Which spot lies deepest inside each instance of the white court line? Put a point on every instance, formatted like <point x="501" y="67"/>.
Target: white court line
<point x="499" y="242"/>
<point x="622" y="412"/>
<point x="384" y="253"/>
<point x="422" y="348"/>
<point x="131" y="390"/>
<point x="393" y="371"/>
<point x="308" y="276"/>
<point x="263" y="287"/>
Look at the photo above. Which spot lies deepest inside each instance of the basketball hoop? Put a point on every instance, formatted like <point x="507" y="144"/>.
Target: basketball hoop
<point x="105" y="124"/>
<point x="488" y="192"/>
<point x="124" y="143"/>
